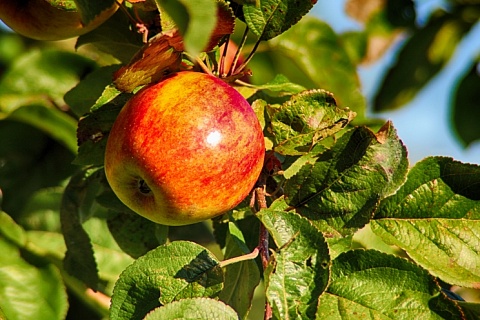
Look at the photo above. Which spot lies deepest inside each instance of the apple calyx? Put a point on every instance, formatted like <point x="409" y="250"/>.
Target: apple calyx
<point x="143" y="187"/>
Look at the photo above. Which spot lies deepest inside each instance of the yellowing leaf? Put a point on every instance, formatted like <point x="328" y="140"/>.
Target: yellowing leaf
<point x="161" y="55"/>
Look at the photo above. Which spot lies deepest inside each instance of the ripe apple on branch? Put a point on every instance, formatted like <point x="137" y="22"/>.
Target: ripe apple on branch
<point x="49" y="19"/>
<point x="184" y="150"/>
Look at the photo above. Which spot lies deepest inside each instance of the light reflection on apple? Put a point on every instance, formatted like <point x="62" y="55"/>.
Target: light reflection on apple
<point x="214" y="138"/>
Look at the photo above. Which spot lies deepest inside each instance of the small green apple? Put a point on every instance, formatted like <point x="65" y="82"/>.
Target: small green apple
<point x="38" y="19"/>
<point x="184" y="150"/>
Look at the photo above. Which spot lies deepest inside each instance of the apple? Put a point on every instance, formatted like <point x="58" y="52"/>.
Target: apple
<point x="184" y="150"/>
<point x="38" y="19"/>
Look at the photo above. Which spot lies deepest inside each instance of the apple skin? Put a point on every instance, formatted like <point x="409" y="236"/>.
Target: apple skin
<point x="184" y="150"/>
<point x="37" y="19"/>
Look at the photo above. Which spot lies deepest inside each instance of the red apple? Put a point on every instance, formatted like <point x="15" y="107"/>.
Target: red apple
<point x="38" y="19"/>
<point x="184" y="150"/>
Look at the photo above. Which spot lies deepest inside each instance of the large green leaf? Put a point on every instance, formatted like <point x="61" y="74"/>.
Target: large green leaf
<point x="48" y="72"/>
<point x="465" y="110"/>
<point x="27" y="290"/>
<point x="53" y="122"/>
<point x="89" y="10"/>
<point x="241" y="278"/>
<point x="299" y="271"/>
<point x="92" y="133"/>
<point x="86" y="93"/>
<point x="270" y="18"/>
<point x="168" y="273"/>
<point x="195" y="20"/>
<point x="339" y="189"/>
<point x="194" y="308"/>
<point x="41" y="210"/>
<point x="31" y="160"/>
<point x="305" y="119"/>
<point x="76" y="204"/>
<point x="422" y="57"/>
<point x="435" y="218"/>
<point x="114" y="37"/>
<point x="373" y="285"/>
<point x="133" y="233"/>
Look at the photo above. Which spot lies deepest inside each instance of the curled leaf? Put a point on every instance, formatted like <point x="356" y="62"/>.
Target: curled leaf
<point x="161" y="55"/>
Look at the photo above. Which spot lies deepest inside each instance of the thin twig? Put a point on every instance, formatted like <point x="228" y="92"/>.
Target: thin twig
<point x="221" y="68"/>
<point x="264" y="236"/>
<point x="239" y="51"/>
<point x="248" y="256"/>
<point x="139" y="24"/>
<point x="250" y="56"/>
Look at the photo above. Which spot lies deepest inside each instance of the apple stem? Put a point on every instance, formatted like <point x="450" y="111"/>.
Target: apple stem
<point x="202" y="64"/>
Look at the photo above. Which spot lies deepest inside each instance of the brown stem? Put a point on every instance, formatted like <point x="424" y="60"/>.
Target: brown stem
<point x="250" y="56"/>
<point x="221" y="67"/>
<point x="239" y="51"/>
<point x="141" y="27"/>
<point x="263" y="239"/>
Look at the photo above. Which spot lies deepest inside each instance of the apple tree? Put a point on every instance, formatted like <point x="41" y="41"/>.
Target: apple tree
<point x="337" y="224"/>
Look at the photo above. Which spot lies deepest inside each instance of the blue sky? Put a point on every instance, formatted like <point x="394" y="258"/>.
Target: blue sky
<point x="423" y="124"/>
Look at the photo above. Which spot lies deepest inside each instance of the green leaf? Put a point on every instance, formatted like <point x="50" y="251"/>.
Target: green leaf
<point x="195" y="20"/>
<point x="341" y="188"/>
<point x="270" y="18"/>
<point x="133" y="233"/>
<point x="241" y="278"/>
<point x="85" y="94"/>
<point x="10" y="231"/>
<point x="471" y="309"/>
<point x="92" y="133"/>
<point x="30" y="161"/>
<point x="76" y="204"/>
<point x="48" y="244"/>
<point x="114" y="37"/>
<point x="422" y="57"/>
<point x="89" y="10"/>
<point x="305" y="119"/>
<point x="323" y="62"/>
<point x="279" y="86"/>
<point x="299" y="272"/>
<point x="27" y="291"/>
<point x="194" y="308"/>
<point x="401" y="13"/>
<point x="53" y="122"/>
<point x="168" y="273"/>
<point x="374" y="285"/>
<point x="110" y="258"/>
<point x="11" y="47"/>
<point x="41" y="211"/>
<point x="355" y="44"/>
<point x="465" y="109"/>
<point x="435" y="218"/>
<point x="45" y="72"/>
